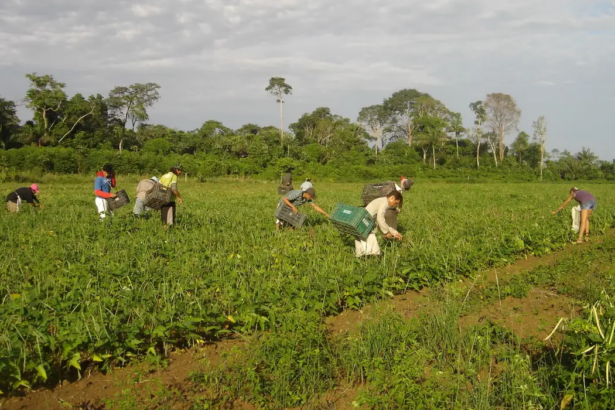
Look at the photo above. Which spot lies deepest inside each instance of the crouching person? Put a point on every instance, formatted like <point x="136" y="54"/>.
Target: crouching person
<point x="25" y="194"/>
<point x="105" y="180"/>
<point x="142" y="188"/>
<point x="167" y="212"/>
<point x="378" y="209"/>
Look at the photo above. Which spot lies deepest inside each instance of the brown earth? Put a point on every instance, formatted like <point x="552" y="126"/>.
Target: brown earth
<point x="532" y="316"/>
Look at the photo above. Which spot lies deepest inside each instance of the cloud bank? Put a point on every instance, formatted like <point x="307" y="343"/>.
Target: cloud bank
<point x="213" y="58"/>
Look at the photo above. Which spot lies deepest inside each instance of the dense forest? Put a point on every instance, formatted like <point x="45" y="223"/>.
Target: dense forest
<point x="409" y="133"/>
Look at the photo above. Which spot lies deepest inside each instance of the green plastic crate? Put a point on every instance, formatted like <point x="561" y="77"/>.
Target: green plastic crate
<point x="352" y="220"/>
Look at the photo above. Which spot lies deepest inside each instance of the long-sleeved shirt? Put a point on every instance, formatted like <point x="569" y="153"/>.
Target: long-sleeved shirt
<point x="102" y="187"/>
<point x="377" y="208"/>
<point x="25" y="194"/>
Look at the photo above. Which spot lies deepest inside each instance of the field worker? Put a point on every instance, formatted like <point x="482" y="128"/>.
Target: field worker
<point x="142" y="188"/>
<point x="391" y="214"/>
<point x="20" y="195"/>
<point x="167" y="212"/>
<point x="105" y="180"/>
<point x="588" y="206"/>
<point x="296" y="198"/>
<point x="307" y="184"/>
<point x="378" y="209"/>
<point x="286" y="184"/>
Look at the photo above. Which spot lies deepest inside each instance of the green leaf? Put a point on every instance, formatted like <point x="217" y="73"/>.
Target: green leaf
<point x="41" y="372"/>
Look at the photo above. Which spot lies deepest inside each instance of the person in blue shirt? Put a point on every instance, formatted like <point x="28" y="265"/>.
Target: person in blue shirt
<point x="105" y="180"/>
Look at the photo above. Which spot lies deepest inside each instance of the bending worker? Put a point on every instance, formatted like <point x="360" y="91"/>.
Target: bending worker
<point x="21" y="195"/>
<point x="296" y="198"/>
<point x="378" y="209"/>
<point x="588" y="206"/>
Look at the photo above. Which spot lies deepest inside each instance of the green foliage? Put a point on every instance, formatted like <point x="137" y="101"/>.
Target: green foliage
<point x="283" y="368"/>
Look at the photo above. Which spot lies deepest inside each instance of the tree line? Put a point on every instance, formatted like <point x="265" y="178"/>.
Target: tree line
<point x="409" y="132"/>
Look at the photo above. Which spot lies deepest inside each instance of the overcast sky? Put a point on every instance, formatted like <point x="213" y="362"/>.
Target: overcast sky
<point x="214" y="58"/>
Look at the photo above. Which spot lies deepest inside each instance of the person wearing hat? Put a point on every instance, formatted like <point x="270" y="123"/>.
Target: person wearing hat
<point x="105" y="180"/>
<point x="143" y="187"/>
<point x="296" y="198"/>
<point x="20" y="195"/>
<point x="307" y="184"/>
<point x="167" y="212"/>
<point x="588" y="206"/>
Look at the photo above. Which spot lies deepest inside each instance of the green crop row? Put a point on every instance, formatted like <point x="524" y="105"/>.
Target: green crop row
<point x="76" y="292"/>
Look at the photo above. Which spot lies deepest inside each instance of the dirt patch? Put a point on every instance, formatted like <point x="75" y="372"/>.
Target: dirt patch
<point x="139" y="379"/>
<point x="406" y="304"/>
<point x="534" y="316"/>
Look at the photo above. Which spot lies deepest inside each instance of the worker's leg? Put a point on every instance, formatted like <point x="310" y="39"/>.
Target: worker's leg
<point x="584" y="222"/>
<point x="102" y="207"/>
<point x="12" y="207"/>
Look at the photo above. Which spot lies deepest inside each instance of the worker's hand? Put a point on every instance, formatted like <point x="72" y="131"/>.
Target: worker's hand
<point x="40" y="206"/>
<point x="389" y="235"/>
<point x="113" y="195"/>
<point x="295" y="210"/>
<point x="398" y="236"/>
<point x="398" y="210"/>
<point x="327" y="215"/>
<point x="180" y="201"/>
<point x="554" y="212"/>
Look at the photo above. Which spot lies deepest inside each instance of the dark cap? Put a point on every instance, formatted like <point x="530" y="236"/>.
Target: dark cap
<point x="311" y="192"/>
<point x="108" y="168"/>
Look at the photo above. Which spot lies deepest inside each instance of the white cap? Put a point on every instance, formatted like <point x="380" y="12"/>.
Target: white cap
<point x="155" y="179"/>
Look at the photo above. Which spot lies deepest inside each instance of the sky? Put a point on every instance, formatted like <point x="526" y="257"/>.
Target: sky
<point x="213" y="58"/>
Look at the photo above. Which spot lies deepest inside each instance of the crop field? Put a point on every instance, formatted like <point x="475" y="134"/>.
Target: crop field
<point x="76" y="292"/>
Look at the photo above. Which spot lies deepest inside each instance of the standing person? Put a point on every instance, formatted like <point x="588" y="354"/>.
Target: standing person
<point x="167" y="212"/>
<point x="105" y="180"/>
<point x="20" y="195"/>
<point x="296" y="198"/>
<point x="142" y="188"/>
<point x="588" y="206"/>
<point x="307" y="184"/>
<point x="378" y="209"/>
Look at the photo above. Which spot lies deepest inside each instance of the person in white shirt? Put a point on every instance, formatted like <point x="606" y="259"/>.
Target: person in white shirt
<point x="378" y="209"/>
<point x="307" y="184"/>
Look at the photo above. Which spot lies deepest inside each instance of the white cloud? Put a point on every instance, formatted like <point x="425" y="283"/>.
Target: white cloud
<point x="344" y="54"/>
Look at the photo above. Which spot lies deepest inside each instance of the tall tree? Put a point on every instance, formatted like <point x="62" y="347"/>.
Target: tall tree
<point x="430" y="132"/>
<point x="521" y="145"/>
<point x="480" y="113"/>
<point x="131" y="103"/>
<point x="45" y="97"/>
<point x="456" y="128"/>
<point x="492" y="140"/>
<point x="9" y="122"/>
<point x="278" y="88"/>
<point x="374" y="118"/>
<point x="502" y="117"/>
<point x="400" y="108"/>
<point x="540" y="136"/>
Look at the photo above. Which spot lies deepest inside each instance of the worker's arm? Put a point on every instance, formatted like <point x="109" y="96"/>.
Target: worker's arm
<point x="382" y="223"/>
<point x="319" y="209"/>
<point x="290" y="205"/>
<point x="564" y="204"/>
<point x="176" y="193"/>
